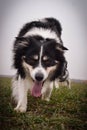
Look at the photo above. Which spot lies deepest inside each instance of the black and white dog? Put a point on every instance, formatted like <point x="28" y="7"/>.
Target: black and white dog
<point x="39" y="60"/>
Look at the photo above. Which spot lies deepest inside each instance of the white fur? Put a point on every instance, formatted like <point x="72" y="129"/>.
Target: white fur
<point x="45" y="33"/>
<point x="41" y="52"/>
<point x="19" y="92"/>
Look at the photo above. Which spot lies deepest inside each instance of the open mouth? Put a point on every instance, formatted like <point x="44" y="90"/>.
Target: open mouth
<point x="36" y="90"/>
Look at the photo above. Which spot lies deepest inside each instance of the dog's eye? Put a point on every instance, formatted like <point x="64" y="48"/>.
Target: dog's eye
<point x="32" y="60"/>
<point x="34" y="57"/>
<point x="45" y="58"/>
<point x="49" y="61"/>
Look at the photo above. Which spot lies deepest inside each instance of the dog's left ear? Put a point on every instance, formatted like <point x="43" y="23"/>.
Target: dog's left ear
<point x="61" y="48"/>
<point x="64" y="48"/>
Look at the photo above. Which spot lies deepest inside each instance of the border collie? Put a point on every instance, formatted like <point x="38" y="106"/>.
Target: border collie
<point x="39" y="60"/>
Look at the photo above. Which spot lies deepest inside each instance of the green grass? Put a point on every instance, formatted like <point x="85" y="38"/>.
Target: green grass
<point x="67" y="110"/>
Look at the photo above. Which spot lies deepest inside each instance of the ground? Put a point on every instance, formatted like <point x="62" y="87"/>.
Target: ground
<point x="67" y="109"/>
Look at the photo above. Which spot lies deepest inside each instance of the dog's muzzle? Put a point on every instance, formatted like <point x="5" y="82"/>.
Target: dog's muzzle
<point x="38" y="75"/>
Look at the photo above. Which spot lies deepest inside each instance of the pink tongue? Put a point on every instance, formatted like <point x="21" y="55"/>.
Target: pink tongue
<point x="36" y="91"/>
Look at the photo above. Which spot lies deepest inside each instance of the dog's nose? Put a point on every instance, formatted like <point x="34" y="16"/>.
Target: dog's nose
<point x="39" y="76"/>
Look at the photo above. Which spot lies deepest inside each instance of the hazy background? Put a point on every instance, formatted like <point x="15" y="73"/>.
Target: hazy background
<point x="71" y="13"/>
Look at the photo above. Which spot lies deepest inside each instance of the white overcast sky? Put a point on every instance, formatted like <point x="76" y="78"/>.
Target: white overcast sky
<point x="71" y="13"/>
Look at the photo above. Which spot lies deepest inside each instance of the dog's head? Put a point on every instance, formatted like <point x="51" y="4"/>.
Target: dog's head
<point x="40" y="58"/>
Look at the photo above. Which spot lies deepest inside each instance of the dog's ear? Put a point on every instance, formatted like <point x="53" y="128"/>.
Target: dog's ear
<point x="22" y="41"/>
<point x="61" y="48"/>
<point x="64" y="48"/>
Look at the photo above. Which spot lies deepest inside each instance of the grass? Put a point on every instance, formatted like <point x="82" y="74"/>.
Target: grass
<point x="67" y="109"/>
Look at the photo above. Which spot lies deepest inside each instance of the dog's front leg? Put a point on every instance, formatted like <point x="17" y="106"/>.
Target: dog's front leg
<point x="47" y="90"/>
<point x="19" y="93"/>
<point x="56" y="83"/>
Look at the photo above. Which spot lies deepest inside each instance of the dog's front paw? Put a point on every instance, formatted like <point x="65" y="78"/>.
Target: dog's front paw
<point x="45" y="98"/>
<point x="20" y="109"/>
<point x="56" y="84"/>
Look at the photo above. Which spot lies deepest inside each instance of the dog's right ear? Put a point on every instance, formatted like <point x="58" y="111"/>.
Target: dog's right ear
<point x="21" y="41"/>
<point x="26" y="39"/>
